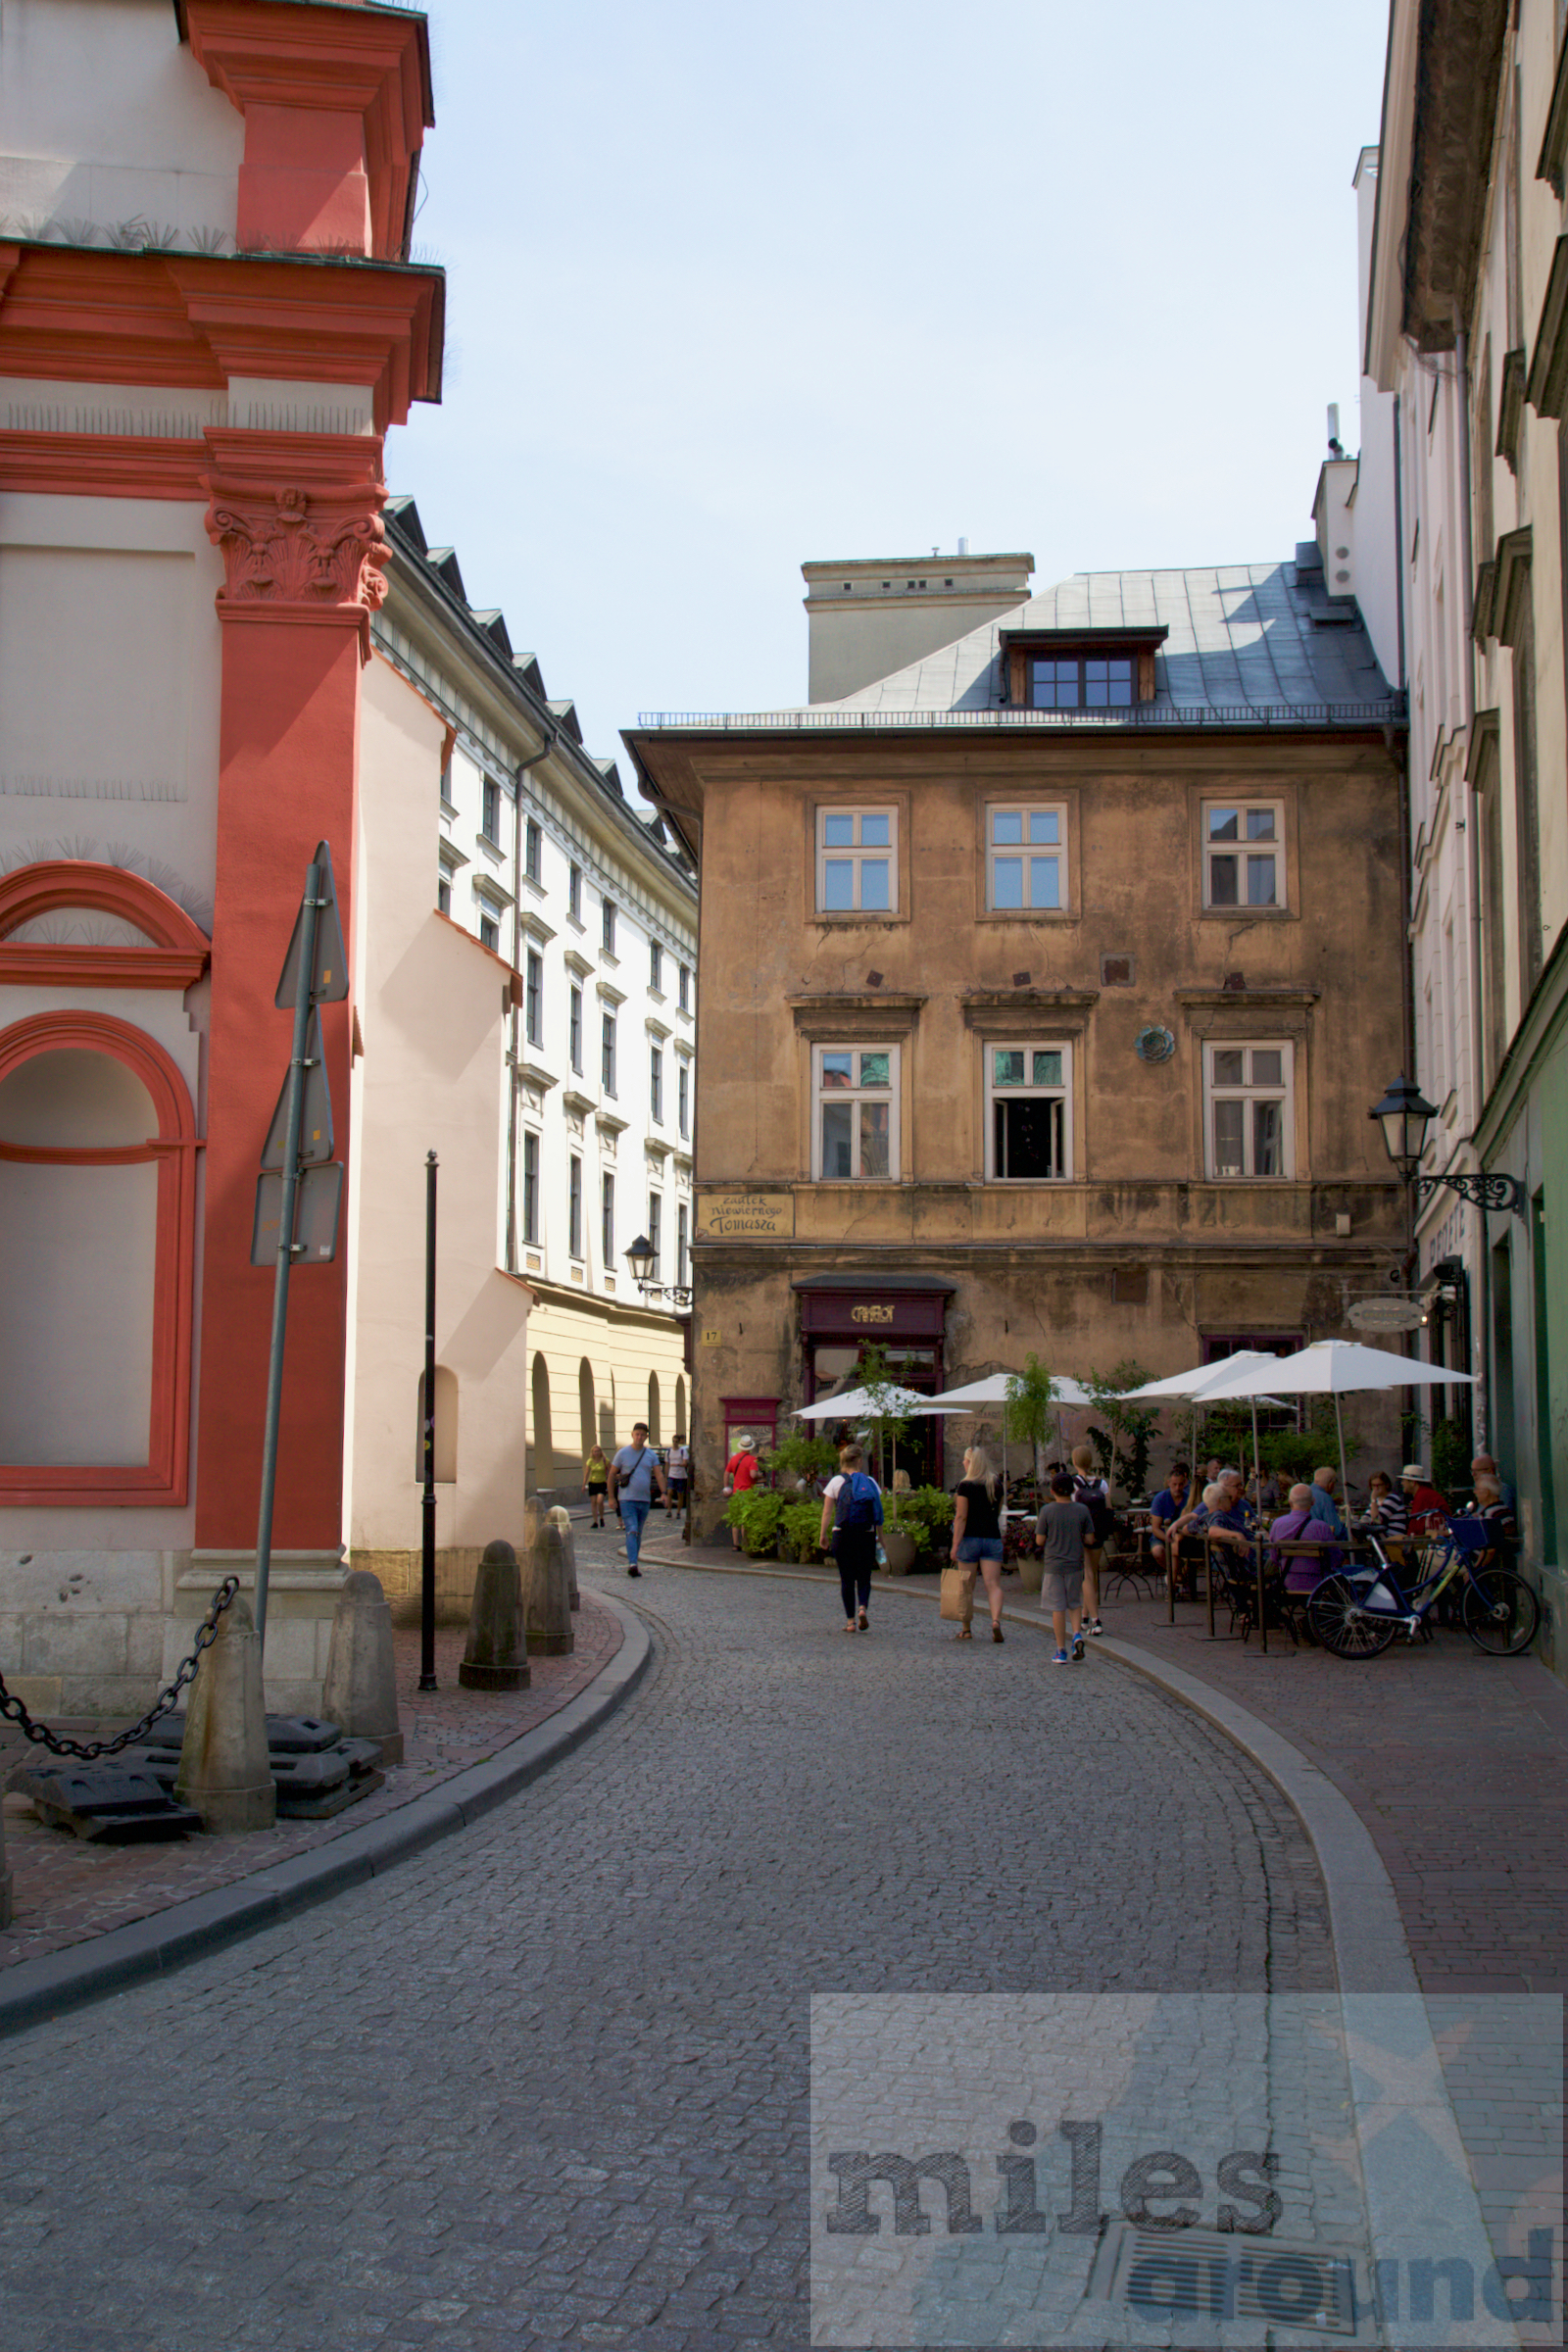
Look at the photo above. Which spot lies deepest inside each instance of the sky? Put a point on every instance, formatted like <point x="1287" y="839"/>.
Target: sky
<point x="730" y="289"/>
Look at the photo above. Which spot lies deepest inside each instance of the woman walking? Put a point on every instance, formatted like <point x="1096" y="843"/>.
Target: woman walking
<point x="596" y="1478"/>
<point x="977" y="1531"/>
<point x="851" y="1513"/>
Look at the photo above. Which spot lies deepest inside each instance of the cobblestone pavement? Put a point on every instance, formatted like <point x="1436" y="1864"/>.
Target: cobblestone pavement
<point x="548" y="2083"/>
<point x="67" y="1889"/>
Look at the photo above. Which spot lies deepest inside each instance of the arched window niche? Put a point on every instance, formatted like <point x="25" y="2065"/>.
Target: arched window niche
<point x="98" y="1213"/>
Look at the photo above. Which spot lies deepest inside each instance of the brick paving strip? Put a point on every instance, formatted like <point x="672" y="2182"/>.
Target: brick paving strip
<point x="471" y="1744"/>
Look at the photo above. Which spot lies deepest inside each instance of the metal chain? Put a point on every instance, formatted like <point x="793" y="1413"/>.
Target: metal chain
<point x="88" y="1751"/>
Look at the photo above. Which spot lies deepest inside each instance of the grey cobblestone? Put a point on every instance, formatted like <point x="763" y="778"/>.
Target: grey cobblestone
<point x="547" y="2084"/>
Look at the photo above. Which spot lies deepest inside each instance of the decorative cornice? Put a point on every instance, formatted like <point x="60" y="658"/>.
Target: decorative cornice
<point x="869" y="1001"/>
<point x="1511" y="404"/>
<point x="991" y="1004"/>
<point x="175" y="955"/>
<point x="1486" y="738"/>
<point x="1249" y="1000"/>
<point x="1484" y="602"/>
<point x="101" y="465"/>
<point x="1548" y="368"/>
<point x="1513" y="585"/>
<point x="195" y="321"/>
<point x="1554" y="143"/>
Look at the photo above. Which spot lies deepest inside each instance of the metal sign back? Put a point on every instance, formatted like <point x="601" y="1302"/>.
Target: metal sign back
<point x="329" y="976"/>
<point x="317" y="1203"/>
<point x="1403" y="1313"/>
<point x="315" y="1126"/>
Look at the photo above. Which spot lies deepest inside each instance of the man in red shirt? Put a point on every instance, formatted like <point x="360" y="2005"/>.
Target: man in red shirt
<point x="1428" y="1508"/>
<point x="740" y="1472"/>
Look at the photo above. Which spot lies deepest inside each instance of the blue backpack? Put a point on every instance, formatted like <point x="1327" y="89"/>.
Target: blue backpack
<point x="858" y="1506"/>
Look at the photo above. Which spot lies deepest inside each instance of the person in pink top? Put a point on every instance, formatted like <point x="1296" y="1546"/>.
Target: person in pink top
<point x="1298" y="1526"/>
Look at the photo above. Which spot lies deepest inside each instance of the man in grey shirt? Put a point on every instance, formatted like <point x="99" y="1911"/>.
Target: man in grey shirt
<point x="634" y="1475"/>
<point x="1064" y="1528"/>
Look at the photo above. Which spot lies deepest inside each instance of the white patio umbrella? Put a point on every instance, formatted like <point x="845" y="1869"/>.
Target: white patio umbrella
<point x="1207" y="1381"/>
<point x="1336" y="1368"/>
<point x="853" y="1404"/>
<point x="1069" y="1397"/>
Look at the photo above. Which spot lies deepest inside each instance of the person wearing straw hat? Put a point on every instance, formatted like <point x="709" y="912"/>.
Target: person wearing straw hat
<point x="1425" y="1503"/>
<point x="740" y="1473"/>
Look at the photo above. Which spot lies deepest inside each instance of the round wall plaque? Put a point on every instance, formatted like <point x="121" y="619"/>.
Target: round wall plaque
<point x="1153" y="1045"/>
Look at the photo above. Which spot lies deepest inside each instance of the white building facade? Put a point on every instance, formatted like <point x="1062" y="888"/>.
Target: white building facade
<point x="592" y="914"/>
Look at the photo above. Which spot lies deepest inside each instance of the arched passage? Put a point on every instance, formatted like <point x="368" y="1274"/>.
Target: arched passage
<point x="654" y="1430"/>
<point x="680" y="1404"/>
<point x="587" y="1421"/>
<point x="544" y="1452"/>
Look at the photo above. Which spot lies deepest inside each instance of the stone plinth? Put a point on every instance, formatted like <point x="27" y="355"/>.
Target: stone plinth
<point x="224" y="1774"/>
<point x="495" y="1656"/>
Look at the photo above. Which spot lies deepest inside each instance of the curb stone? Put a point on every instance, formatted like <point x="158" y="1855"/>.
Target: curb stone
<point x="1381" y="2000"/>
<point x="35" y="1990"/>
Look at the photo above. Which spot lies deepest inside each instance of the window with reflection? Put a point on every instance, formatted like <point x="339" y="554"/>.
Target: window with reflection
<point x="855" y="1113"/>
<point x="1026" y="854"/>
<point x="1244" y="846"/>
<point x="857" y="861"/>
<point x="1251" y="1110"/>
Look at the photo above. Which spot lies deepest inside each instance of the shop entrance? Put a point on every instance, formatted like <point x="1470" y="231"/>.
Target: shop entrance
<point x="906" y="1316"/>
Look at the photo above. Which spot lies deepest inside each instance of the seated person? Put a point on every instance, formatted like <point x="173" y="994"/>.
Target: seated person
<point x="1226" y="1520"/>
<point x="1387" y="1507"/>
<point x="1167" y="1507"/>
<point x="1263" y="1490"/>
<point x="1427" y="1507"/>
<point x="1485" y="1467"/>
<point x="1299" y="1525"/>
<point x="1323" y="1505"/>
<point x="1490" y="1505"/>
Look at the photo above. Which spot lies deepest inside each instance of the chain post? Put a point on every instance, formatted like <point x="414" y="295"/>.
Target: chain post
<point x="86" y="1753"/>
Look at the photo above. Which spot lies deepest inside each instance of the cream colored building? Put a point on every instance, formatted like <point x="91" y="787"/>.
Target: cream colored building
<point x="532" y="849"/>
<point x="1467" y="328"/>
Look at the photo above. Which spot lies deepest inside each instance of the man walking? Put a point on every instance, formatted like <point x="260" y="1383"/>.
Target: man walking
<point x="1065" y="1531"/>
<point x="634" y="1475"/>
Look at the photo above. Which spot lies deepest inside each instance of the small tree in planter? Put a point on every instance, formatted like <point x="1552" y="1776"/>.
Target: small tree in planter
<point x="1124" y="1464"/>
<point x="889" y="1420"/>
<point x="1031" y="1407"/>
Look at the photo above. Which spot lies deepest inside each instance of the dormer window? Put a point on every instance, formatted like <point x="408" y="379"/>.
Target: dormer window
<point x="1085" y="670"/>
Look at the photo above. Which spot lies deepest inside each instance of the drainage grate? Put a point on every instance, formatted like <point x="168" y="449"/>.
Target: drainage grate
<point x="1211" y="2275"/>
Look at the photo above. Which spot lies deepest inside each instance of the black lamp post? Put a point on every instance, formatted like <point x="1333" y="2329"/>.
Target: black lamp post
<point x="640" y="1258"/>
<point x="1406" y="1115"/>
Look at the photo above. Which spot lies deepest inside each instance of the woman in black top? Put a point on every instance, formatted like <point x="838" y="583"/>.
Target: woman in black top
<point x="977" y="1531"/>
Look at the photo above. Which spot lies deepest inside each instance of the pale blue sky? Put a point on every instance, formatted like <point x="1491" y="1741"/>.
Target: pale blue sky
<point x="732" y="288"/>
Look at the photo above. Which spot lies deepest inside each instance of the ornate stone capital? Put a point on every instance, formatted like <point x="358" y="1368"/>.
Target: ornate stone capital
<point x="298" y="518"/>
<point x="281" y="552"/>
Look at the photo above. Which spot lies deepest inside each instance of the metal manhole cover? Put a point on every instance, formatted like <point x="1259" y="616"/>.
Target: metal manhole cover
<point x="1208" y="2274"/>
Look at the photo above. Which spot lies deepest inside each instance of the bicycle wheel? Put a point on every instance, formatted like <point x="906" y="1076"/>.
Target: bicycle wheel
<point x="1336" y="1616"/>
<point x="1501" y="1612"/>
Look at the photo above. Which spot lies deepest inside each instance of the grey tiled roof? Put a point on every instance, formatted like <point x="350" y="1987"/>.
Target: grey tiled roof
<point x="1245" y="641"/>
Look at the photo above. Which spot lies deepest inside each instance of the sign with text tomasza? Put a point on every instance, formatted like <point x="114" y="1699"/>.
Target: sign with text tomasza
<point x="741" y="1216"/>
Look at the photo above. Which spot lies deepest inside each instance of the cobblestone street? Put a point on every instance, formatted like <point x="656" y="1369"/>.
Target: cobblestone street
<point x="548" y="2083"/>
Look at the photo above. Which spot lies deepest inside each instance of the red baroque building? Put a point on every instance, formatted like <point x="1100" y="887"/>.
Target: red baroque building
<point x="208" y="321"/>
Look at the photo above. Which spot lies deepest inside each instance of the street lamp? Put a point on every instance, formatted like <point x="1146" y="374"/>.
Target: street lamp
<point x="1404" y="1116"/>
<point x="640" y="1258"/>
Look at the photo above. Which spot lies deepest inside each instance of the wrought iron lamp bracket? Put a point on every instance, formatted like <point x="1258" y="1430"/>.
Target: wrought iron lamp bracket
<point x="1482" y="1192"/>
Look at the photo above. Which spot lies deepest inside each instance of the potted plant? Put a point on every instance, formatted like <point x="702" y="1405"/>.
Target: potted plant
<point x="889" y="1419"/>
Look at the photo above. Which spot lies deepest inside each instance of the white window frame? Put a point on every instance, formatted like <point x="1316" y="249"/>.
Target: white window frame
<point x="682" y="1243"/>
<point x="1059" y="849"/>
<point x="656" y="1084"/>
<point x="656" y="1232"/>
<point x="533" y="997"/>
<point x="1240" y="850"/>
<point x="1249" y="1091"/>
<point x="1063" y="1093"/>
<point x="488" y="922"/>
<point x="575" y="1245"/>
<point x="856" y="854"/>
<point x="855" y="1095"/>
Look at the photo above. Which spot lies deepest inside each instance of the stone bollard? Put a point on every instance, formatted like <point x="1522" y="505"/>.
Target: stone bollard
<point x="562" y="1519"/>
<point x="495" y="1656"/>
<point x="223" y="1771"/>
<point x="550" y="1634"/>
<point x="361" y="1693"/>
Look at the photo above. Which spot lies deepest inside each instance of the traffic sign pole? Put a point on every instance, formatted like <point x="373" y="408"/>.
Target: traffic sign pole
<point x="305" y="973"/>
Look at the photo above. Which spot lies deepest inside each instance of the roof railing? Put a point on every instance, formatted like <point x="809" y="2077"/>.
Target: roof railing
<point x="1389" y="711"/>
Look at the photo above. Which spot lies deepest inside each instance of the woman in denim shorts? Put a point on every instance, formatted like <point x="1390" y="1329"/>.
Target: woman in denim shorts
<point x="977" y="1531"/>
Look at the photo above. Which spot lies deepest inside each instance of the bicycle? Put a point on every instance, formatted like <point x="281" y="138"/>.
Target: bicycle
<point x="1356" y="1613"/>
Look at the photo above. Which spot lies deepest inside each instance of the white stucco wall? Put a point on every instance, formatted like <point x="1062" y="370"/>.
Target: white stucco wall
<point x="432" y="1077"/>
<point x="105" y="116"/>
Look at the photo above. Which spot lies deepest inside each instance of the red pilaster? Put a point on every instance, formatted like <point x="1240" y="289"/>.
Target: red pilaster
<point x="296" y="515"/>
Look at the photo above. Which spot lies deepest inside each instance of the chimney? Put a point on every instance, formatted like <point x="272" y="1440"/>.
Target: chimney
<point x="872" y="615"/>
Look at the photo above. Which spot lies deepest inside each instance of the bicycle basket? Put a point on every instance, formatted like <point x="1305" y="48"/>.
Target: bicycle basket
<point x="1471" y="1535"/>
